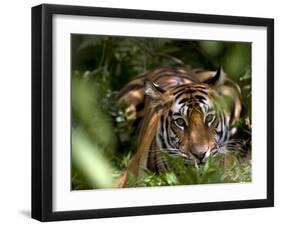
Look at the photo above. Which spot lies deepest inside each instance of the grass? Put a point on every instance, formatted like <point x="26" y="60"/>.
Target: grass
<point x="227" y="168"/>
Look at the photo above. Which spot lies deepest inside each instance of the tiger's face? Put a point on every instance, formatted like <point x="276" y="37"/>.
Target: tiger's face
<point x="193" y="123"/>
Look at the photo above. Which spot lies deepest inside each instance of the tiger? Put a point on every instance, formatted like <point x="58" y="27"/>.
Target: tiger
<point x="189" y="113"/>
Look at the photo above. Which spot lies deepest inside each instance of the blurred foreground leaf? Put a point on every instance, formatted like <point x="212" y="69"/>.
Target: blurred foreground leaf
<point x="96" y="169"/>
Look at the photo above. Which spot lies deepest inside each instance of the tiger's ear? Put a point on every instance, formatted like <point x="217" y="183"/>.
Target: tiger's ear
<point x="218" y="78"/>
<point x="158" y="96"/>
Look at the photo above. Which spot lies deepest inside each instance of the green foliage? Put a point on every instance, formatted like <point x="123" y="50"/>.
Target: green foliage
<point x="218" y="169"/>
<point x="102" y="65"/>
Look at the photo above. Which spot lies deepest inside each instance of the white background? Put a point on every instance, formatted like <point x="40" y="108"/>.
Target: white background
<point x="15" y="112"/>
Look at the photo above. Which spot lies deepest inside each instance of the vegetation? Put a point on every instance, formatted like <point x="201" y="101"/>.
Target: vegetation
<point x="103" y="65"/>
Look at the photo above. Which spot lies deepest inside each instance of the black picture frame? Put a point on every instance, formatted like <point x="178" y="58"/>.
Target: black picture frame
<point x="42" y="107"/>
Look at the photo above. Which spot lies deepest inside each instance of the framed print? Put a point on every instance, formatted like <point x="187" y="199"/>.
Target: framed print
<point x="146" y="112"/>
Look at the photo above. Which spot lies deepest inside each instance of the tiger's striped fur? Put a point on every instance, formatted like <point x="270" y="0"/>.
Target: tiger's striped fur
<point x="188" y="113"/>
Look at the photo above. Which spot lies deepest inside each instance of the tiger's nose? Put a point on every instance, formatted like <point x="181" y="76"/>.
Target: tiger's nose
<point x="200" y="151"/>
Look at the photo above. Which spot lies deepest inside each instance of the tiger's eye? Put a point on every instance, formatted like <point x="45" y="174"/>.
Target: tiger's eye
<point x="209" y="118"/>
<point x="180" y="122"/>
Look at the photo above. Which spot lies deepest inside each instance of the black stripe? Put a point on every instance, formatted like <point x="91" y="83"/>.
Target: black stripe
<point x="140" y="106"/>
<point x="181" y="109"/>
<point x="162" y="124"/>
<point x="180" y="89"/>
<point x="170" y="113"/>
<point x="168" y="139"/>
<point x="222" y="127"/>
<point x="176" y="114"/>
<point x="173" y="129"/>
<point x="199" y="86"/>
<point x="184" y="100"/>
<point x="189" y="91"/>
<point x="162" y="141"/>
<point x="203" y="91"/>
<point x="200" y="98"/>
